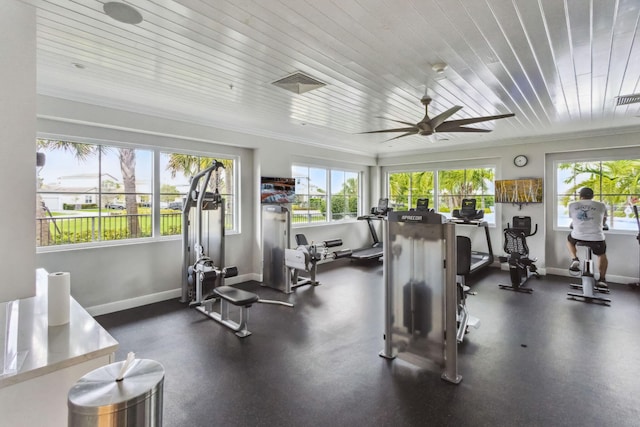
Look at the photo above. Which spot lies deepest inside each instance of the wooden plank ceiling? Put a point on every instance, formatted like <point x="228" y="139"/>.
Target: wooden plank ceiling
<point x="558" y="65"/>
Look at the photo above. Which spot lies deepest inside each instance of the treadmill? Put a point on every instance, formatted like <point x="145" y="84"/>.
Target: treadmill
<point x="468" y="215"/>
<point x="378" y="213"/>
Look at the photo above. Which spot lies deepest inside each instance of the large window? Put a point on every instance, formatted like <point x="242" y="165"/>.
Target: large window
<point x="616" y="183"/>
<point x="445" y="189"/>
<point x="314" y="204"/>
<point x="457" y="184"/>
<point x="405" y="188"/>
<point x="91" y="193"/>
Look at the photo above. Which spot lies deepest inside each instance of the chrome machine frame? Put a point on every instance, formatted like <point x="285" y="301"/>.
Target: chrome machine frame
<point x="420" y="269"/>
<point x="205" y="212"/>
<point x="276" y="229"/>
<point x="306" y="256"/>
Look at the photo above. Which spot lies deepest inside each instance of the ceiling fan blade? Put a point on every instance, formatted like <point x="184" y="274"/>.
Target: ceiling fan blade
<point x="409" y="130"/>
<point x="400" y="136"/>
<point x="440" y="118"/>
<point x="455" y="123"/>
<point x="463" y="129"/>
<point x="398" y="121"/>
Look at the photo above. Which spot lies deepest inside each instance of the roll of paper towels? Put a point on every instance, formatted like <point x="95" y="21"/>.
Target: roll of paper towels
<point x="59" y="291"/>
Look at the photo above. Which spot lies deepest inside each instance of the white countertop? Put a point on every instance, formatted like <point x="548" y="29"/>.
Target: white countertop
<point x="42" y="349"/>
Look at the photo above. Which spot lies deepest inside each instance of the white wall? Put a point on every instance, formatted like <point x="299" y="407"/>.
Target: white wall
<point x="17" y="150"/>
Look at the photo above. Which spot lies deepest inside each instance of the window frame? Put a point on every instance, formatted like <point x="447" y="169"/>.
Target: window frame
<point x="434" y="202"/>
<point x="592" y="157"/>
<point x="154" y="194"/>
<point x="235" y="202"/>
<point x="328" y="170"/>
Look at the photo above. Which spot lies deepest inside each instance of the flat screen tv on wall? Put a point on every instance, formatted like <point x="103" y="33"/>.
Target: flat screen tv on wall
<point x="277" y="190"/>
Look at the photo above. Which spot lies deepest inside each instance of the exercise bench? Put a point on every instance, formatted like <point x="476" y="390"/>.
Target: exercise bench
<point x="238" y="297"/>
<point x="230" y="295"/>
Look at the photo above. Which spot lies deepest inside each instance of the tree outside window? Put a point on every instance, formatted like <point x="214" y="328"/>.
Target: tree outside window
<point x="445" y="194"/>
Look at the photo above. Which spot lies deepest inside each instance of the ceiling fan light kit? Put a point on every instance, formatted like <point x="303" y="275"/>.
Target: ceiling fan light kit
<point x="439" y="67"/>
<point x="428" y="126"/>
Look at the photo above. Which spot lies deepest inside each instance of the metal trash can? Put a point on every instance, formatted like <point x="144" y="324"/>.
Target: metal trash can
<point x="99" y="400"/>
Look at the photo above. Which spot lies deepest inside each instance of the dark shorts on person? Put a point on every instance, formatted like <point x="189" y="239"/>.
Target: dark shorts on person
<point x="598" y="247"/>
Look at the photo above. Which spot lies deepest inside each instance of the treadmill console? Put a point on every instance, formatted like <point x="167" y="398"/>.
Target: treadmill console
<point x="422" y="205"/>
<point x="382" y="208"/>
<point x="468" y="211"/>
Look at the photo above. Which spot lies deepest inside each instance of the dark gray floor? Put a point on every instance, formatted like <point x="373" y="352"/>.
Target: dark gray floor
<point x="537" y="360"/>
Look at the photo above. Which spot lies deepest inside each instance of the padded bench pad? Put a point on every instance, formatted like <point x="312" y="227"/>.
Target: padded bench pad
<point x="236" y="296"/>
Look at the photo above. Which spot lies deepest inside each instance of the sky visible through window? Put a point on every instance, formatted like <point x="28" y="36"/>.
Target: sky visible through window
<point x="60" y="163"/>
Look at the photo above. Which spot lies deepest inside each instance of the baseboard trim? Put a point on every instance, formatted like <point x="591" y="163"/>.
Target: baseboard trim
<point x="244" y="278"/>
<point x="541" y="270"/>
<point x="126" y="304"/>
<point x="610" y="278"/>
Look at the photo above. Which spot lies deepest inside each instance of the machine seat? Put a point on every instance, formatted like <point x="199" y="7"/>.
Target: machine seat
<point x="236" y="296"/>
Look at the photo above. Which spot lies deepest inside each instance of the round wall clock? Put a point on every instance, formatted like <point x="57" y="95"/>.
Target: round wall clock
<point x="520" y="160"/>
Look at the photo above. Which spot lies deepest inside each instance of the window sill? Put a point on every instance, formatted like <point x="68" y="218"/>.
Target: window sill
<point x="323" y="224"/>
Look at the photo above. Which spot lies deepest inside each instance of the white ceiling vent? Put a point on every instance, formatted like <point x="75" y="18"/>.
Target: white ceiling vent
<point x="299" y="83"/>
<point x="627" y="99"/>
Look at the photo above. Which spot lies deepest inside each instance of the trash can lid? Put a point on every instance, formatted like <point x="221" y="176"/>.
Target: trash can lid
<point x="99" y="392"/>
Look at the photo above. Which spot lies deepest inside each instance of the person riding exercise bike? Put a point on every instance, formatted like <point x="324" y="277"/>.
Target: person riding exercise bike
<point x="588" y="222"/>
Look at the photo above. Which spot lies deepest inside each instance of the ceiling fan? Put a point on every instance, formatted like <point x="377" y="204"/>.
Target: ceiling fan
<point x="439" y="123"/>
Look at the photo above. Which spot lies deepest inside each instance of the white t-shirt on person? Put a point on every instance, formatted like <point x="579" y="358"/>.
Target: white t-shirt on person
<point x="587" y="217"/>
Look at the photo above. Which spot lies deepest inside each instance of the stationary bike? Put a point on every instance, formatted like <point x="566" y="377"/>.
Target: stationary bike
<point x="521" y="267"/>
<point x="588" y="284"/>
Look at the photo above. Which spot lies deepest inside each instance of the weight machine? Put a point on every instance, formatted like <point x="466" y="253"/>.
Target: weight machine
<point x="421" y="301"/>
<point x="463" y="262"/>
<point x="305" y="257"/>
<point x="203" y="256"/>
<point x="281" y="265"/>
<point x="203" y="238"/>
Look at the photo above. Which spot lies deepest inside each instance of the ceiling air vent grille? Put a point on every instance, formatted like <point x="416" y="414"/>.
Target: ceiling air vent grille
<point x="298" y="83"/>
<point x="627" y="99"/>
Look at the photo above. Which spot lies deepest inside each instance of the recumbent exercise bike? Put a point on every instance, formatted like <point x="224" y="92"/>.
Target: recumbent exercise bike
<point x="521" y="267"/>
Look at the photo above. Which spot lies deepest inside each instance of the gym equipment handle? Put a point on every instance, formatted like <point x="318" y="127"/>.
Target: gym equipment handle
<point x="342" y="254"/>
<point x="230" y="271"/>
<point x="332" y="243"/>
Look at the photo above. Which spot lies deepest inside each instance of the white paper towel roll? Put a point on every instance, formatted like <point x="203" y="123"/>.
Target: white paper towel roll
<point x="59" y="291"/>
